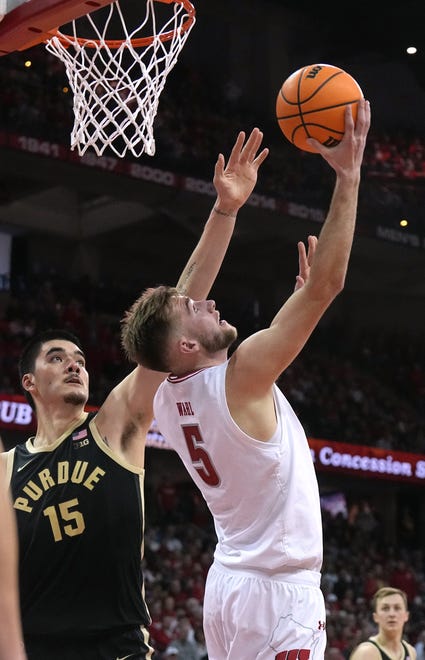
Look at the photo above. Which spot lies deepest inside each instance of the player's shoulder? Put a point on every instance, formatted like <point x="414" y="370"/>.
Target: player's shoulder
<point x="367" y="650"/>
<point x="411" y="651"/>
<point x="3" y="457"/>
<point x="8" y="454"/>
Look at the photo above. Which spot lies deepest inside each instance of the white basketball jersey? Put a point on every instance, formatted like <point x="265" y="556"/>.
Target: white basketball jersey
<point x="263" y="495"/>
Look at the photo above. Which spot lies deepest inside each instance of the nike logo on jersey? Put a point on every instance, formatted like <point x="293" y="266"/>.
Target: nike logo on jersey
<point x="24" y="465"/>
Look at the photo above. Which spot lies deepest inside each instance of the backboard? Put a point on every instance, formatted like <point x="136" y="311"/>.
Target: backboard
<point x="116" y="71"/>
<point x="26" y="23"/>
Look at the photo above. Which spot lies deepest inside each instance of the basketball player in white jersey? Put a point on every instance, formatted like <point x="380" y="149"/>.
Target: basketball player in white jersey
<point x="242" y="443"/>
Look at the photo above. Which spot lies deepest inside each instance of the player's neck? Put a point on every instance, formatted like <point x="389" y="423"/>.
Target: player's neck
<point x="204" y="362"/>
<point x="52" y="424"/>
<point x="391" y="644"/>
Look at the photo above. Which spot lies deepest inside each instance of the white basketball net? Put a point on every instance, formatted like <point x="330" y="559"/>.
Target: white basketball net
<point x="116" y="86"/>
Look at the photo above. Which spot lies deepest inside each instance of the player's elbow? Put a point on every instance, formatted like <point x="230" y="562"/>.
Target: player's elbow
<point x="328" y="288"/>
<point x="337" y="284"/>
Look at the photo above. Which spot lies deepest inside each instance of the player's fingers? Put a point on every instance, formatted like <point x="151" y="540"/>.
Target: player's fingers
<point x="237" y="148"/>
<point x="349" y="119"/>
<point x="252" y="145"/>
<point x="261" y="157"/>
<point x="316" y="145"/>
<point x="219" y="166"/>
<point x="363" y="116"/>
<point x="312" y="244"/>
<point x="299" y="282"/>
<point x="302" y="258"/>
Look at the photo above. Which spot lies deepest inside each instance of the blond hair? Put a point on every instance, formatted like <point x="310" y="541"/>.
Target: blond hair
<point x="146" y="326"/>
<point x="383" y="592"/>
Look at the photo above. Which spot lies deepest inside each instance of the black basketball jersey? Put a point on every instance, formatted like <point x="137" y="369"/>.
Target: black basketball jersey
<point x="385" y="656"/>
<point x="80" y="516"/>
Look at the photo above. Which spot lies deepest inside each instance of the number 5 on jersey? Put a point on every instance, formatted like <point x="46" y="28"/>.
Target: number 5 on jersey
<point x="201" y="460"/>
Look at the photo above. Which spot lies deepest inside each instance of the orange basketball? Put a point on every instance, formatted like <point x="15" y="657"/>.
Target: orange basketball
<point x="311" y="104"/>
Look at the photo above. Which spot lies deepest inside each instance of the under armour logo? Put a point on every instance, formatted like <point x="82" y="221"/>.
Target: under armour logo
<point x="294" y="654"/>
<point x="321" y="625"/>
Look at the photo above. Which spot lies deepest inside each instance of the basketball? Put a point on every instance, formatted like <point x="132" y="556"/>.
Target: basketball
<point x="311" y="104"/>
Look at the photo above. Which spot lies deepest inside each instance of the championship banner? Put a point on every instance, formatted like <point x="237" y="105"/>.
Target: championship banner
<point x="358" y="461"/>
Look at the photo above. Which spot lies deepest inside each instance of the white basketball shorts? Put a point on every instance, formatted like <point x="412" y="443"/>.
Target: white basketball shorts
<point x="250" y="616"/>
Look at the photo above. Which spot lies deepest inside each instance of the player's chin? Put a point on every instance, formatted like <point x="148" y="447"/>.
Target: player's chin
<point x="225" y="326"/>
<point x="230" y="333"/>
<point x="77" y="398"/>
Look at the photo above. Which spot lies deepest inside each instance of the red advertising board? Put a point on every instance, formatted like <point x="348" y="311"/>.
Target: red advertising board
<point x="358" y="461"/>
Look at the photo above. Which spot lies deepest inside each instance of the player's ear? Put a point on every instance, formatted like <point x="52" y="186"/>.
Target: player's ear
<point x="374" y="615"/>
<point x="188" y="346"/>
<point x="28" y="382"/>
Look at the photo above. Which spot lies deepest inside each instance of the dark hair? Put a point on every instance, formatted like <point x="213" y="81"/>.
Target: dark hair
<point x="32" y="349"/>
<point x="146" y="328"/>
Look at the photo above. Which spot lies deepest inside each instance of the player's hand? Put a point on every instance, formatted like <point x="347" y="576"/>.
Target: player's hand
<point x="235" y="181"/>
<point x="347" y="156"/>
<point x="305" y="260"/>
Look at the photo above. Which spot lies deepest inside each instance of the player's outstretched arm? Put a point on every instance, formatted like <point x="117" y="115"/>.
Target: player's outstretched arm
<point x="234" y="183"/>
<point x="126" y="416"/>
<point x="260" y="359"/>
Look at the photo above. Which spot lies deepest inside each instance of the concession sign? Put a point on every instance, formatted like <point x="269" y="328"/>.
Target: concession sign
<point x="356" y="460"/>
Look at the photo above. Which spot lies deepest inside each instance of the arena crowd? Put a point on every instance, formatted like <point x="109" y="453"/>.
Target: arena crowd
<point x="362" y="389"/>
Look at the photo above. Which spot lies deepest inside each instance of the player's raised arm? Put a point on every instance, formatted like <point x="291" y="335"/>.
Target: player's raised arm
<point x="126" y="415"/>
<point x="234" y="183"/>
<point x="260" y="359"/>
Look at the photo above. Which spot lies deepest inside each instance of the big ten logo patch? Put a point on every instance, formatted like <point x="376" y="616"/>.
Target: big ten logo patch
<point x="294" y="654"/>
<point x="79" y="439"/>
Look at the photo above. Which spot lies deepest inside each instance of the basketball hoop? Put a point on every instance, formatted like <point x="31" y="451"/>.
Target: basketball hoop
<point x="117" y="82"/>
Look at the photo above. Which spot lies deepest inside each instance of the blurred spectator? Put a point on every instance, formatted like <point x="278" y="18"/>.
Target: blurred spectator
<point x="184" y="640"/>
<point x="420" y="646"/>
<point x="402" y="577"/>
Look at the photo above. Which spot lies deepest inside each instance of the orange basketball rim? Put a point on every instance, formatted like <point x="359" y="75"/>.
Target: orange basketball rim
<point x="35" y="21"/>
<point x="138" y="42"/>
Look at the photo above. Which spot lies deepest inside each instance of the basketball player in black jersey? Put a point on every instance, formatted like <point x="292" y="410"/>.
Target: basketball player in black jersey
<point x="390" y="613"/>
<point x="77" y="485"/>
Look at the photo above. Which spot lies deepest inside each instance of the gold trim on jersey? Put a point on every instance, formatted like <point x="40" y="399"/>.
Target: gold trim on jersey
<point x="9" y="465"/>
<point x="35" y="450"/>
<point x="112" y="454"/>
